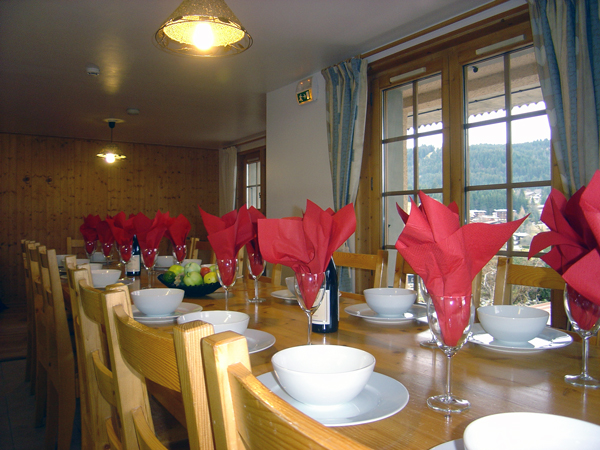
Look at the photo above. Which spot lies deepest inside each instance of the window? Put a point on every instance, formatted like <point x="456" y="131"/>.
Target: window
<point x="461" y="118"/>
<point x="251" y="179"/>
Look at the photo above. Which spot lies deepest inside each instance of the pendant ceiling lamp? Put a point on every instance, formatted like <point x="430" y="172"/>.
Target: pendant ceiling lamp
<point x="203" y="28"/>
<point x="110" y="153"/>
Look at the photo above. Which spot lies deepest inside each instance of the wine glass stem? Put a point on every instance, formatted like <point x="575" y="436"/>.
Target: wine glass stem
<point x="226" y="298"/>
<point x="585" y="348"/>
<point x="309" y="315"/>
<point x="256" y="289"/>
<point x="150" y="275"/>
<point x="449" y="377"/>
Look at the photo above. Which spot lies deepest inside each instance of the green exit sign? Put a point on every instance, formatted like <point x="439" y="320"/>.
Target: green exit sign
<point x="304" y="96"/>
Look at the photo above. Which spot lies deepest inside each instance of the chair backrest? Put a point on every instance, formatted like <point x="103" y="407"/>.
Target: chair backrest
<point x="201" y="249"/>
<point x="376" y="263"/>
<point x="75" y="246"/>
<point x="30" y="367"/>
<point x="508" y="274"/>
<point x="247" y="415"/>
<point x="139" y="353"/>
<point x="92" y="353"/>
<point x="403" y="269"/>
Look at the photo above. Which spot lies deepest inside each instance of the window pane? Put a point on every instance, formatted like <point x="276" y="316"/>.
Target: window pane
<point x="531" y="149"/>
<point x="430" y="162"/>
<point x="487" y="206"/>
<point x="430" y="102"/>
<point x="529" y="201"/>
<point x="393" y="223"/>
<point x="525" y="84"/>
<point x="398" y="114"/>
<point x="399" y="166"/>
<point x="253" y="173"/>
<point x="485" y="89"/>
<point x="487" y="154"/>
<point x="252" y="196"/>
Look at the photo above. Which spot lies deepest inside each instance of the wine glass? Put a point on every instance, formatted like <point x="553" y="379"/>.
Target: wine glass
<point x="90" y="248"/>
<point x="149" y="260"/>
<point x="107" y="248"/>
<point x="432" y="342"/>
<point x="450" y="318"/>
<point x="226" y="272"/>
<point x="584" y="316"/>
<point x="125" y="255"/>
<point x="179" y="252"/>
<point x="257" y="267"/>
<point x="309" y="289"/>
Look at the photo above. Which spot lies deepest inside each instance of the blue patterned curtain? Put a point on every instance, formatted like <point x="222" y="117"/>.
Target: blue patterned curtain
<point x="566" y="35"/>
<point x="346" y="91"/>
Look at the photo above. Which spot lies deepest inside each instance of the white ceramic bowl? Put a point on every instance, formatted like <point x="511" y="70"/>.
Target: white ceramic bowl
<point x="289" y="282"/>
<point x="98" y="257"/>
<point x="390" y="301"/>
<point x="60" y="260"/>
<point x="221" y="320"/>
<point x="157" y="301"/>
<point x="512" y="323"/>
<point x="96" y="266"/>
<point x="165" y="261"/>
<point x="530" y="431"/>
<point x="82" y="261"/>
<point x="104" y="277"/>
<point x="323" y="375"/>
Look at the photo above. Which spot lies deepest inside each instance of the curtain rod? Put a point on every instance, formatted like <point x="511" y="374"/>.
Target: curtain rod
<point x="435" y="27"/>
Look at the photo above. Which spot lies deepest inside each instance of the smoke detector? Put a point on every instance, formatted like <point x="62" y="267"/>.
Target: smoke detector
<point x="92" y="69"/>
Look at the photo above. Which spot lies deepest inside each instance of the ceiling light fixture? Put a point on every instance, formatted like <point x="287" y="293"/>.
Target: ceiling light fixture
<point x="203" y="28"/>
<point x="110" y="153"/>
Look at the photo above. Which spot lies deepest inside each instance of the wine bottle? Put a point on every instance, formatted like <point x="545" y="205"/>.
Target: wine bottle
<point x="134" y="265"/>
<point x="327" y="315"/>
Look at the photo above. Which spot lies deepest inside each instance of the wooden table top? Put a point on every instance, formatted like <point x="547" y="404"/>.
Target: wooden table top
<point x="492" y="381"/>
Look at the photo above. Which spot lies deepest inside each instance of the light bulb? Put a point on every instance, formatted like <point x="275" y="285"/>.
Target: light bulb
<point x="110" y="158"/>
<point x="203" y="36"/>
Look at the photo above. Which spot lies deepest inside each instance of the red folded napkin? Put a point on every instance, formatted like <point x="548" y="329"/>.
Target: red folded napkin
<point x="254" y="254"/>
<point x="177" y="230"/>
<point x="149" y="232"/>
<point x="306" y="244"/>
<point x="228" y="234"/>
<point x="88" y="229"/>
<point x="122" y="228"/>
<point x="447" y="256"/>
<point x="105" y="236"/>
<point x="575" y="238"/>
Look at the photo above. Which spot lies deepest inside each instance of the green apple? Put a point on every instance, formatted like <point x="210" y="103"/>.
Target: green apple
<point x="214" y="268"/>
<point x="210" y="278"/>
<point x="176" y="269"/>
<point x="192" y="279"/>
<point x="191" y="267"/>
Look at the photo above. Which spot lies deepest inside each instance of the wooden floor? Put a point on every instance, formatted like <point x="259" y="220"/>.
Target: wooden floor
<point x="16" y="402"/>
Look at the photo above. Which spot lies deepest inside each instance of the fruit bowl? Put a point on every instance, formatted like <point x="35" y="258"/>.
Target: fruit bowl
<point x="193" y="291"/>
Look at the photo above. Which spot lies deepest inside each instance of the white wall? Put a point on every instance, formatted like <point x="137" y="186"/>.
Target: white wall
<point x="297" y="152"/>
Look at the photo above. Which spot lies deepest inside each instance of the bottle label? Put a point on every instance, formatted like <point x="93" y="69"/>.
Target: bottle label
<point x="133" y="266"/>
<point x="322" y="316"/>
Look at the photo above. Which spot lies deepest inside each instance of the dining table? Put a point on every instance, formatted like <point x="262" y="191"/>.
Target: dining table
<point x="493" y="380"/>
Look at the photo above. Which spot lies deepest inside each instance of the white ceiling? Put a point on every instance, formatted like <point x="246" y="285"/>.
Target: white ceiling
<point x="194" y="102"/>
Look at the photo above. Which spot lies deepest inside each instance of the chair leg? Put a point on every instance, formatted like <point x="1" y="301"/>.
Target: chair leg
<point x="33" y="366"/>
<point x="41" y="393"/>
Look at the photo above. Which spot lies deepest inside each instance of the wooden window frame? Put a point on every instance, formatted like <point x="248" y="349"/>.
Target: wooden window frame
<point x="243" y="158"/>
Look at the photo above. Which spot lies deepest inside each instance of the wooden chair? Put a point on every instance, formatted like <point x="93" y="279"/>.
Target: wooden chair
<point x="31" y="357"/>
<point x="89" y="340"/>
<point x="403" y="269"/>
<point x="201" y="249"/>
<point x="141" y="355"/>
<point x="56" y="384"/>
<point x="376" y="263"/>
<point x="247" y="415"/>
<point x="508" y="274"/>
<point x="75" y="247"/>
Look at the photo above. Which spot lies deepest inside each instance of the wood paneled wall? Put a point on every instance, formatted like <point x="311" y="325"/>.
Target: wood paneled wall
<point x="47" y="186"/>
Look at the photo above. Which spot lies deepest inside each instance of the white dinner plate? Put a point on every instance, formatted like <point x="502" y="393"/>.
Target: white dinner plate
<point x="548" y="339"/>
<point x="382" y="397"/>
<point x="284" y="294"/>
<point x="457" y="444"/>
<point x="363" y="310"/>
<point x="184" y="308"/>
<point x="258" y="340"/>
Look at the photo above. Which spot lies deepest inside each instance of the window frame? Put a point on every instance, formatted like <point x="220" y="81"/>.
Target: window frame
<point x="243" y="159"/>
